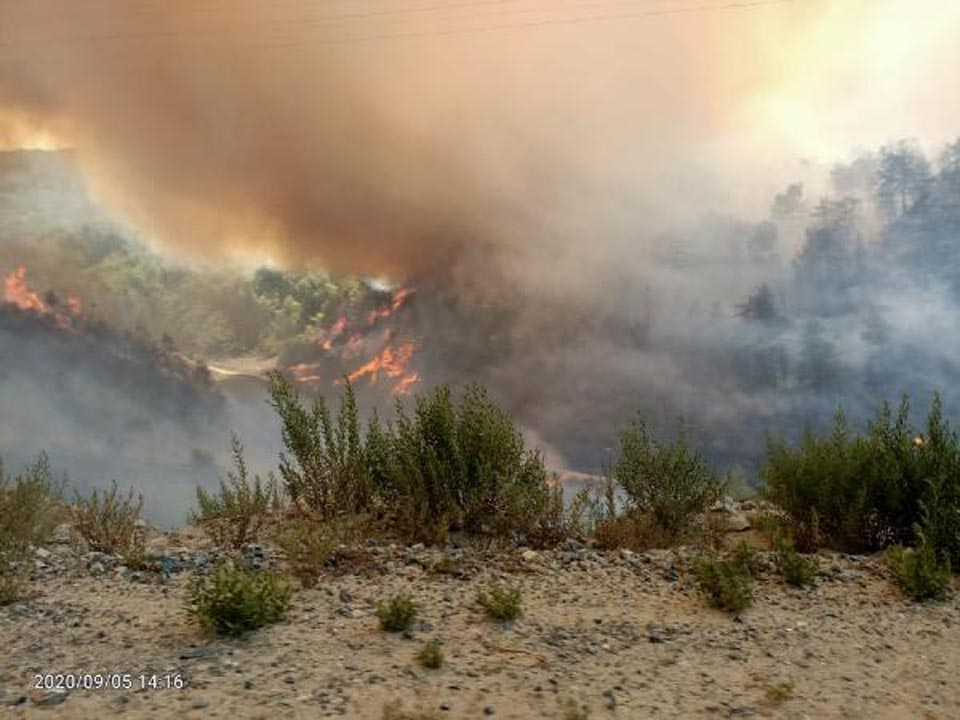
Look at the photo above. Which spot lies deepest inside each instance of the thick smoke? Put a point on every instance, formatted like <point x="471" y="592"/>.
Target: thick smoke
<point x="545" y="187"/>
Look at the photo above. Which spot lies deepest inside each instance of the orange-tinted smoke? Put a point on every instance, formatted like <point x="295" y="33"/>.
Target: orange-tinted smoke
<point x="309" y="133"/>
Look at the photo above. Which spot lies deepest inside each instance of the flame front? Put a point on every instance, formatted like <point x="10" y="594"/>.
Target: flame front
<point x="394" y="362"/>
<point x="17" y="292"/>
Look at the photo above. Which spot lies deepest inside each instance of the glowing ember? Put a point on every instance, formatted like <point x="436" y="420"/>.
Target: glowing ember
<point x="18" y="293"/>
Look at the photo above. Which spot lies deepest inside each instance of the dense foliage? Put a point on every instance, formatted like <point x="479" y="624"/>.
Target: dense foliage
<point x="868" y="491"/>
<point x="450" y="464"/>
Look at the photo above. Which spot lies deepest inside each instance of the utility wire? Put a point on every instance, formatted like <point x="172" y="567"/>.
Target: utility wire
<point x="742" y="5"/>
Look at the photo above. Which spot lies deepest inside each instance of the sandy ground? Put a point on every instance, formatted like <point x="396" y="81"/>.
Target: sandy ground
<point x="624" y="635"/>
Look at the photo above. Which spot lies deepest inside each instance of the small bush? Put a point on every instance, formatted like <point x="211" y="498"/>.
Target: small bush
<point x="108" y="521"/>
<point x="395" y="711"/>
<point x="727" y="583"/>
<point x="668" y="482"/>
<point x="233" y="601"/>
<point x="397" y="613"/>
<point x="431" y="655"/>
<point x="572" y="710"/>
<point x="310" y="543"/>
<point x="235" y="515"/>
<point x="795" y="568"/>
<point x="500" y="602"/>
<point x="29" y="507"/>
<point x="779" y="693"/>
<point x="11" y="587"/>
<point x="920" y="572"/>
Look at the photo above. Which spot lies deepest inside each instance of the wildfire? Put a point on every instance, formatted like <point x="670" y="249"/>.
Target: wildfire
<point x="17" y="292"/>
<point x="400" y="298"/>
<point x="347" y="343"/>
<point x="394" y="362"/>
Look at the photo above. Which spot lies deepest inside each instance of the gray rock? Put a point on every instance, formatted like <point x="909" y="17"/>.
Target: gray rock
<point x="51" y="698"/>
<point x="737" y="522"/>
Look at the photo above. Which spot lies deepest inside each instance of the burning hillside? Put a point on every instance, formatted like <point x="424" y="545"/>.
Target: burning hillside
<point x="365" y="346"/>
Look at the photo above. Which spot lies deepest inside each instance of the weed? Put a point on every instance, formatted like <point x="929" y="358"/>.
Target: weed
<point x="108" y="521"/>
<point x="796" y="569"/>
<point x="920" y="572"/>
<point x="233" y="601"/>
<point x="29" y="507"/>
<point x="500" y="602"/>
<point x="431" y="655"/>
<point x="235" y="514"/>
<point x="397" y="613"/>
<point x="572" y="710"/>
<point x="779" y="693"/>
<point x="727" y="583"/>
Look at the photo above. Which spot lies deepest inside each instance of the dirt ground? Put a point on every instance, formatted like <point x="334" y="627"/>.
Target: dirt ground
<point x="617" y="635"/>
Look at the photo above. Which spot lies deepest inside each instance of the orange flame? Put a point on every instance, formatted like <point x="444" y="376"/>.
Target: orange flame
<point x="304" y="373"/>
<point x="399" y="300"/>
<point x="18" y="293"/>
<point x="393" y="361"/>
<point x="335" y="331"/>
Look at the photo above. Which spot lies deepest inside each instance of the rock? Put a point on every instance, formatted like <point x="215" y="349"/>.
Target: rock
<point x="345" y="596"/>
<point x="42" y="553"/>
<point x="199" y="704"/>
<point x="62" y="532"/>
<point x="530" y="555"/>
<point x="96" y="569"/>
<point x="51" y="698"/>
<point x="488" y="710"/>
<point x="195" y="653"/>
<point x="737" y="522"/>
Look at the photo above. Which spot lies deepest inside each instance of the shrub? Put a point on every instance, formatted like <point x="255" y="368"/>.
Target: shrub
<point x="574" y="711"/>
<point x="500" y="602"/>
<point x="326" y="471"/>
<point x="795" y="568"/>
<point x="310" y="543"/>
<point x="11" y="587"/>
<point x="779" y="693"/>
<point x="459" y="465"/>
<point x="233" y="601"/>
<point x="431" y="655"/>
<point x="667" y="481"/>
<point x="397" y="613"/>
<point x="920" y="572"/>
<point x="108" y="521"/>
<point x="29" y="507"/>
<point x="866" y="492"/>
<point x="727" y="583"/>
<point x="235" y="515"/>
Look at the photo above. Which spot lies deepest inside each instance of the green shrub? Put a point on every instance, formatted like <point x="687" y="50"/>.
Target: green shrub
<point x="795" y="568"/>
<point x="235" y="515"/>
<point x="500" y="602"/>
<point x="727" y="583"/>
<point x="460" y="464"/>
<point x="29" y="507"/>
<point x="572" y="710"/>
<point x="326" y="470"/>
<point x="666" y="481"/>
<point x="450" y="464"/>
<point x="779" y="693"/>
<point x="866" y="492"/>
<point x="233" y="601"/>
<point x="397" y="613"/>
<point x="11" y="587"/>
<point x="920" y="572"/>
<point x="431" y="655"/>
<point x="108" y="521"/>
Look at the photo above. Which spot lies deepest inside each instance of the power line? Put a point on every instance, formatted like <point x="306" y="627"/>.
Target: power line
<point x="394" y="16"/>
<point x="742" y="5"/>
